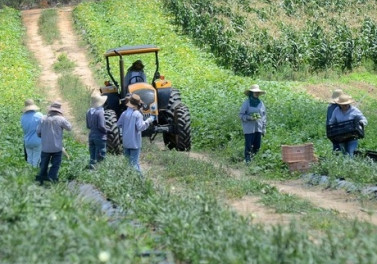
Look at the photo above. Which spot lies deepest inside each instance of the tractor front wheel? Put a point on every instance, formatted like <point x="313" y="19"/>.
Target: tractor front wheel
<point x="113" y="143"/>
<point x="180" y="139"/>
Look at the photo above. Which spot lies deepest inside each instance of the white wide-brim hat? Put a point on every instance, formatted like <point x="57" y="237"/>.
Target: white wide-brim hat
<point x="98" y="100"/>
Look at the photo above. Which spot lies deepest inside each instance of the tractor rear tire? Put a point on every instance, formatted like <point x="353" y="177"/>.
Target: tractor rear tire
<point x="180" y="139"/>
<point x="114" y="142"/>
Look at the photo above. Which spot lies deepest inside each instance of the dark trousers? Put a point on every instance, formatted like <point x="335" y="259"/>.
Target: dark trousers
<point x="51" y="174"/>
<point x="252" y="144"/>
<point x="97" y="150"/>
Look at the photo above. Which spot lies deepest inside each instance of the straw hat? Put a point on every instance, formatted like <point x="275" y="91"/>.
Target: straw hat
<point x="255" y="89"/>
<point x="56" y="106"/>
<point x="344" y="99"/>
<point x="30" y="105"/>
<point x="335" y="94"/>
<point x="134" y="101"/>
<point x="97" y="100"/>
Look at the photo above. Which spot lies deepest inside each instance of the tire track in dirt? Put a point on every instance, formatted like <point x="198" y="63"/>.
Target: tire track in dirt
<point x="249" y="205"/>
<point x="345" y="204"/>
<point x="47" y="55"/>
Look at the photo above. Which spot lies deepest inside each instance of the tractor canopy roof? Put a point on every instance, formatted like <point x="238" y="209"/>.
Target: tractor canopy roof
<point x="130" y="50"/>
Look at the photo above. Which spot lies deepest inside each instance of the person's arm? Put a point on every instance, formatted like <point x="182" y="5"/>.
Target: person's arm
<point x="87" y="119"/>
<point x="39" y="134"/>
<point x="244" y="116"/>
<point x="361" y="117"/>
<point x="65" y="124"/>
<point x="264" y="118"/>
<point x="333" y="117"/>
<point x="142" y="125"/>
<point x="101" y="122"/>
<point x="120" y="120"/>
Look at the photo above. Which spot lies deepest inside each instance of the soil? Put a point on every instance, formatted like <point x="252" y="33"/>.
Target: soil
<point x="46" y="56"/>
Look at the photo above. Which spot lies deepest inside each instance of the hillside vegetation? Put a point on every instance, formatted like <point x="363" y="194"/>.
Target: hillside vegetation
<point x="258" y="37"/>
<point x="182" y="214"/>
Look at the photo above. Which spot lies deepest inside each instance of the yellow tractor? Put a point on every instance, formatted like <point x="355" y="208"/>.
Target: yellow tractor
<point x="159" y="99"/>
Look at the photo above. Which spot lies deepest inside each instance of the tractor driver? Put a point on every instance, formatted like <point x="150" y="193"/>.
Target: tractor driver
<point x="135" y="73"/>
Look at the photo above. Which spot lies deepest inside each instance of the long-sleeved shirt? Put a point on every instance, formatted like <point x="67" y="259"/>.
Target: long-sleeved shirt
<point x="134" y="77"/>
<point x="29" y="122"/>
<point x="352" y="113"/>
<point x="252" y="126"/>
<point x="330" y="110"/>
<point x="132" y="124"/>
<point x="50" y="130"/>
<point x="95" y="121"/>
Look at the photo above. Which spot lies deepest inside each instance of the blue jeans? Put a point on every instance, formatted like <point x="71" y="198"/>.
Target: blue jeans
<point x="133" y="157"/>
<point x="34" y="155"/>
<point x="252" y="144"/>
<point x="51" y="174"/>
<point x="97" y="150"/>
<point x="349" y="147"/>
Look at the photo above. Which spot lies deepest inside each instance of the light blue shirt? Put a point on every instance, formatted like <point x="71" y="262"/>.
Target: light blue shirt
<point x="29" y="122"/>
<point x="352" y="113"/>
<point x="50" y="130"/>
<point x="252" y="126"/>
<point x="132" y="124"/>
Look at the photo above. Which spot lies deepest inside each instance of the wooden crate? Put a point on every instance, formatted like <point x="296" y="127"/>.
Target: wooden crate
<point x="298" y="153"/>
<point x="300" y="166"/>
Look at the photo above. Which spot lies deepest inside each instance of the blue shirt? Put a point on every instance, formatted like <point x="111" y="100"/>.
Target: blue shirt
<point x="132" y="124"/>
<point x="134" y="77"/>
<point x="50" y="130"/>
<point x="95" y="121"/>
<point x="252" y="126"/>
<point x="352" y="113"/>
<point x="29" y="122"/>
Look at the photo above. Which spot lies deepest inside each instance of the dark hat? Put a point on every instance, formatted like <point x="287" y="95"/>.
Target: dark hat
<point x="134" y="101"/>
<point x="138" y="64"/>
<point x="56" y="106"/>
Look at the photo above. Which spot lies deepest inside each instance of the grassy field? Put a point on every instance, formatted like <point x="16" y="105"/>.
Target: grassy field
<point x="180" y="213"/>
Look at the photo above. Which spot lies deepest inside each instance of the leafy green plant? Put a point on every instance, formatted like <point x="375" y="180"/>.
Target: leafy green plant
<point x="48" y="26"/>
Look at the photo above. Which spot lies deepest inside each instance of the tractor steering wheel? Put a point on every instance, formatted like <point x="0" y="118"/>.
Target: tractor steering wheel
<point x="136" y="79"/>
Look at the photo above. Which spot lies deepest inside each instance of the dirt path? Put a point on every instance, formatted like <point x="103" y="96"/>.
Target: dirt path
<point x="47" y="55"/>
<point x="345" y="204"/>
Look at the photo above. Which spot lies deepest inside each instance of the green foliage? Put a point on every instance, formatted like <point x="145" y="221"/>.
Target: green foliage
<point x="249" y="48"/>
<point x="48" y="26"/>
<point x="64" y="64"/>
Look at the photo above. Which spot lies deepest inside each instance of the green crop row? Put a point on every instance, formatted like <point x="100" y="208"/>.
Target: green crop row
<point x="250" y="43"/>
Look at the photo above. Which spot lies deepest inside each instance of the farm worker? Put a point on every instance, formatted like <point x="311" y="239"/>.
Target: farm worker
<point x="330" y="109"/>
<point x="135" y="73"/>
<point x="254" y="119"/>
<point x="346" y="112"/>
<point x="51" y="132"/>
<point x="132" y="124"/>
<point x="95" y="121"/>
<point x="29" y="122"/>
